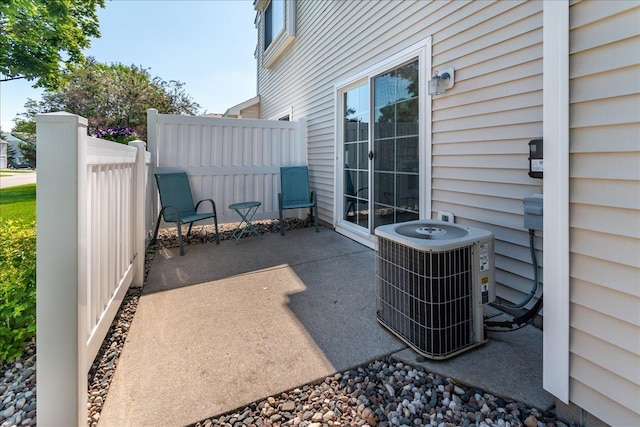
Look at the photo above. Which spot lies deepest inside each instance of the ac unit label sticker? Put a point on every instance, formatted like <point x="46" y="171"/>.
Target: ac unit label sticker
<point x="484" y="257"/>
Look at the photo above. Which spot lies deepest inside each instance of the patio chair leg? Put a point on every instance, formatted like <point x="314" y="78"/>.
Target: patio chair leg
<point x="215" y="222"/>
<point x="280" y="214"/>
<point x="155" y="233"/>
<point x="189" y="232"/>
<point x="281" y="225"/>
<point x="179" y="225"/>
<point x="315" y="209"/>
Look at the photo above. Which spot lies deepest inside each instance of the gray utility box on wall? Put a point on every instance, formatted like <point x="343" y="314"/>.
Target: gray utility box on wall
<point x="533" y="212"/>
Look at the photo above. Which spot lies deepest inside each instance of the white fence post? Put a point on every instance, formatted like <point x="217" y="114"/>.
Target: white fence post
<point x="152" y="146"/>
<point x="152" y="134"/>
<point x="61" y="371"/>
<point x="139" y="216"/>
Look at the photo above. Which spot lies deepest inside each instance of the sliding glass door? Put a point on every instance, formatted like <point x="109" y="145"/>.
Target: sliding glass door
<point x="395" y="146"/>
<point x="380" y="162"/>
<point x="356" y="156"/>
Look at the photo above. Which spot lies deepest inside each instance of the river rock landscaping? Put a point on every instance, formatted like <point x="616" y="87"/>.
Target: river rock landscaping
<point x="385" y="393"/>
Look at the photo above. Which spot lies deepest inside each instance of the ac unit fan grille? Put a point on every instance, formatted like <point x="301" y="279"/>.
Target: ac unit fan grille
<point x="426" y="297"/>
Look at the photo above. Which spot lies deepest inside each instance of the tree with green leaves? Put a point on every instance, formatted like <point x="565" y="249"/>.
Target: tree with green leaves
<point x="28" y="150"/>
<point x="111" y="96"/>
<point x="43" y="40"/>
<point x="25" y="131"/>
<point x="11" y="155"/>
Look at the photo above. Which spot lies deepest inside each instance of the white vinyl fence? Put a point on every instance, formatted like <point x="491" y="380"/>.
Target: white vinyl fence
<point x="228" y="160"/>
<point x="96" y="208"/>
<point x="93" y="217"/>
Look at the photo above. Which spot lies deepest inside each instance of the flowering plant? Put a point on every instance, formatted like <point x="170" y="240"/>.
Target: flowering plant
<point x="123" y="135"/>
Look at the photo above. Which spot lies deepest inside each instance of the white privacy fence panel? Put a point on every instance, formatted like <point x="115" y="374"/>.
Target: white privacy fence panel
<point x="228" y="160"/>
<point x="92" y="223"/>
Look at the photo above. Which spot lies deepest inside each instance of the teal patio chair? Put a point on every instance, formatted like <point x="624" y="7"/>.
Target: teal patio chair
<point x="295" y="193"/>
<point x="177" y="205"/>
<point x="351" y="195"/>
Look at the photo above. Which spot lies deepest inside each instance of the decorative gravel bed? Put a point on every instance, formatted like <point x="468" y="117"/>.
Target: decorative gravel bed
<point x="382" y="393"/>
<point x="18" y="390"/>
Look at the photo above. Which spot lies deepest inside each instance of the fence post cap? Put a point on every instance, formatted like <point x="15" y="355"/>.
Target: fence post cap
<point x="137" y="142"/>
<point x="61" y="117"/>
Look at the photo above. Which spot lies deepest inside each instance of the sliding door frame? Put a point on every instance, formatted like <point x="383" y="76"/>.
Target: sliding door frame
<point x="421" y="51"/>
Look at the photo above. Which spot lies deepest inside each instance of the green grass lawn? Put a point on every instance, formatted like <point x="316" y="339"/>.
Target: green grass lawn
<point x="18" y="203"/>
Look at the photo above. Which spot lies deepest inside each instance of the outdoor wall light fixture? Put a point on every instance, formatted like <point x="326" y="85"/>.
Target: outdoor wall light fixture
<point x="441" y="81"/>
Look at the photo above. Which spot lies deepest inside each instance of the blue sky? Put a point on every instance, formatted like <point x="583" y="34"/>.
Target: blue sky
<point x="208" y="45"/>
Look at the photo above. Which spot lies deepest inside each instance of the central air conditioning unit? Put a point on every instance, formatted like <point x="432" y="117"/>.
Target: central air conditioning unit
<point x="433" y="278"/>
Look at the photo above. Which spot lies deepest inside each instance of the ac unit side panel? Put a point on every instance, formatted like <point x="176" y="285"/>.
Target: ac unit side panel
<point x="429" y="299"/>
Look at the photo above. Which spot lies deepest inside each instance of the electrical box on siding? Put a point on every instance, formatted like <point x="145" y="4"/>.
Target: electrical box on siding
<point x="536" y="158"/>
<point x="533" y="212"/>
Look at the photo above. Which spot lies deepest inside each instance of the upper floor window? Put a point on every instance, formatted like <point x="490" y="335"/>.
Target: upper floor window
<point x="273" y="21"/>
<point x="277" y="22"/>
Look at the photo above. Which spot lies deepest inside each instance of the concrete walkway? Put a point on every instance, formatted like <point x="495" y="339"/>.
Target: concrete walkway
<point x="227" y="325"/>
<point x="14" y="179"/>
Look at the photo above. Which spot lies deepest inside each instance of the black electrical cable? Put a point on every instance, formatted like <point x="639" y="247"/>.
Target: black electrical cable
<point x="530" y="315"/>
<point x="520" y="322"/>
<point x="535" y="275"/>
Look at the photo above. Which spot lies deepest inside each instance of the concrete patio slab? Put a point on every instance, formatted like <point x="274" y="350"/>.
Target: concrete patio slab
<point x="226" y="325"/>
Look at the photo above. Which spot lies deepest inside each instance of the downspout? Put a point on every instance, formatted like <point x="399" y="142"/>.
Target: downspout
<point x="556" y="198"/>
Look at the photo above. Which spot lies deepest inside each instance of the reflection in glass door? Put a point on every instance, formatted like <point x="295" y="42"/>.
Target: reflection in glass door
<point x="356" y="160"/>
<point x="384" y="167"/>
<point x="396" y="146"/>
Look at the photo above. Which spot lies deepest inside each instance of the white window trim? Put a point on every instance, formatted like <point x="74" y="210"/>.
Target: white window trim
<point x="421" y="50"/>
<point x="555" y="118"/>
<point x="284" y="39"/>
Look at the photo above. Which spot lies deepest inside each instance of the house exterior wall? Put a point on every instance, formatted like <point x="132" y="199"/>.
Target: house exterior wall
<point x="3" y="154"/>
<point x="480" y="128"/>
<point x="252" y="112"/>
<point x="604" y="212"/>
<point x="14" y="142"/>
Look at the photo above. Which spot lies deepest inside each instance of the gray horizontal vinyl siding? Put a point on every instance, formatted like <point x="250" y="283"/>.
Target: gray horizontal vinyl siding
<point x="605" y="210"/>
<point x="480" y="128"/>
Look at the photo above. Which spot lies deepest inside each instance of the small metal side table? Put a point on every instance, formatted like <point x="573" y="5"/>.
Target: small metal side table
<point x="246" y="210"/>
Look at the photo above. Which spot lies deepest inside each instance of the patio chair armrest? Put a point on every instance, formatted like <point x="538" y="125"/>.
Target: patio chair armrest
<point x="176" y="212"/>
<point x="213" y="205"/>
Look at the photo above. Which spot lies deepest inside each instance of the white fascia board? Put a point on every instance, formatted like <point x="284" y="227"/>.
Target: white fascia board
<point x="260" y="5"/>
<point x="235" y="110"/>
